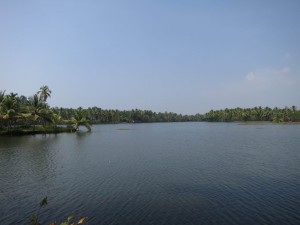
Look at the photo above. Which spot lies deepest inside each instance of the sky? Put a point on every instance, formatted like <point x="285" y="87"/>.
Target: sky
<point x="180" y="56"/>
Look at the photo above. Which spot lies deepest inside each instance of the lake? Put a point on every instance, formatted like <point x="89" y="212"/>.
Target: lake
<point x="160" y="173"/>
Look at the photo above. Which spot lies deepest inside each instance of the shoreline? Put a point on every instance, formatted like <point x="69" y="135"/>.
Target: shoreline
<point x="57" y="130"/>
<point x="23" y="132"/>
<point x="265" y="123"/>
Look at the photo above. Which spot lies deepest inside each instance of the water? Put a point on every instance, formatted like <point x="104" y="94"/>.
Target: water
<point x="163" y="173"/>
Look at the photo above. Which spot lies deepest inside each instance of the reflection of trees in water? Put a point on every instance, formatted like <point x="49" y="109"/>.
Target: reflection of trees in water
<point x="80" y="134"/>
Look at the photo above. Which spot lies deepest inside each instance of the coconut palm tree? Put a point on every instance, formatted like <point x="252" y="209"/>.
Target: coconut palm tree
<point x="2" y="94"/>
<point x="37" y="110"/>
<point x="57" y="120"/>
<point x="78" y="119"/>
<point x="9" y="109"/>
<point x="45" y="93"/>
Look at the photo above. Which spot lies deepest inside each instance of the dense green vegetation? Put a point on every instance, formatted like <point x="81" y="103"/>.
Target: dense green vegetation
<point x="254" y="114"/>
<point x="22" y="115"/>
<point x="98" y="115"/>
<point x="31" y="115"/>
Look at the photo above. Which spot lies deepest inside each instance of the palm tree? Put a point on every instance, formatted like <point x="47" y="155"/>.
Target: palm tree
<point x="45" y="93"/>
<point x="278" y="115"/>
<point x="2" y="94"/>
<point x="57" y="120"/>
<point x="38" y="110"/>
<point x="78" y="119"/>
<point x="9" y="109"/>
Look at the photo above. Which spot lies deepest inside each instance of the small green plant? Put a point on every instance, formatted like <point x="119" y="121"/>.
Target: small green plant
<point x="34" y="220"/>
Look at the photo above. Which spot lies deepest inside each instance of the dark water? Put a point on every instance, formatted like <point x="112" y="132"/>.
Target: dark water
<point x="169" y="173"/>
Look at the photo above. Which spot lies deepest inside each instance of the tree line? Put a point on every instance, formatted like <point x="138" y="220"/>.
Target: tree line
<point x="277" y="115"/>
<point x="21" y="112"/>
<point x="32" y="113"/>
<point x="97" y="115"/>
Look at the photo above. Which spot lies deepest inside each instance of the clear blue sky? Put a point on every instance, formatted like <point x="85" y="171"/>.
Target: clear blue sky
<point x="181" y="56"/>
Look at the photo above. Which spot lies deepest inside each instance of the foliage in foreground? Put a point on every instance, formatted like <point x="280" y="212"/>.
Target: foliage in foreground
<point x="34" y="220"/>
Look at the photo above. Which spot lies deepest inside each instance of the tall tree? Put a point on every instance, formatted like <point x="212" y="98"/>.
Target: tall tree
<point x="44" y="93"/>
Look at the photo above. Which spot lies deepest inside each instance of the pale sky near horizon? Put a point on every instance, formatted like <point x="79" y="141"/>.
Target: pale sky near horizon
<point x="180" y="56"/>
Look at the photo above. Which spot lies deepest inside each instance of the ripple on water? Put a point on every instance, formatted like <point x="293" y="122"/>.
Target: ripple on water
<point x="186" y="173"/>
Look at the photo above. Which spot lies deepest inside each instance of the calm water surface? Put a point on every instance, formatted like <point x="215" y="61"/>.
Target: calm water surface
<point x="163" y="173"/>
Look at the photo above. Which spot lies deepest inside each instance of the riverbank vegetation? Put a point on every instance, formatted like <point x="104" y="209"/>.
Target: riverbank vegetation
<point x="267" y="114"/>
<point x="21" y="115"/>
<point x="101" y="116"/>
<point x="32" y="115"/>
<point x="98" y="116"/>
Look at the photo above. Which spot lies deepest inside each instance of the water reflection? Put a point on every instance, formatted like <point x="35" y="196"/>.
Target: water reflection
<point x="82" y="134"/>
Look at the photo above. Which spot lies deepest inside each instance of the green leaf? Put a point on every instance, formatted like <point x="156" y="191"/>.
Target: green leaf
<point x="64" y="223"/>
<point x="44" y="202"/>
